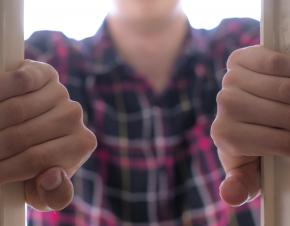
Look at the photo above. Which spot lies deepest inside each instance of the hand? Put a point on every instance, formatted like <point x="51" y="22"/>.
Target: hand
<point x="43" y="140"/>
<point x="253" y="112"/>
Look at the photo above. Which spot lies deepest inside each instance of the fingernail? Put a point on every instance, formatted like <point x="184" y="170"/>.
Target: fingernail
<point x="51" y="180"/>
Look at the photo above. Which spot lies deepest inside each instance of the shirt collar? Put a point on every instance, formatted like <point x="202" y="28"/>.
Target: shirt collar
<point x="102" y="56"/>
<point x="196" y="42"/>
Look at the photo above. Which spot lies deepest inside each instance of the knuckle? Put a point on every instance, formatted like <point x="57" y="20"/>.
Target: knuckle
<point x="214" y="130"/>
<point x="229" y="79"/>
<point x="219" y="96"/>
<point x="233" y="58"/>
<point x="92" y="140"/>
<point x="223" y="97"/>
<point x="217" y="133"/>
<point x="88" y="140"/>
<point x="221" y="134"/>
<point x="52" y="72"/>
<point x="74" y="111"/>
<point x="63" y="92"/>
<point x="229" y="105"/>
<point x="46" y="69"/>
<point x="23" y="79"/>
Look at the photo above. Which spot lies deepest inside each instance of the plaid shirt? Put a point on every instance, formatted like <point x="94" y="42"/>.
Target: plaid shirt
<point x="155" y="164"/>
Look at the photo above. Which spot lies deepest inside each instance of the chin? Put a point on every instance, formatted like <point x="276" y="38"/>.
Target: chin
<point x="146" y="10"/>
<point x="149" y="18"/>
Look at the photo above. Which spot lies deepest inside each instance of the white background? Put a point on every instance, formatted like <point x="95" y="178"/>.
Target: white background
<point x="81" y="18"/>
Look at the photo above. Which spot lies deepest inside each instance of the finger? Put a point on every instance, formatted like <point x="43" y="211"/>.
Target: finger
<point x="67" y="152"/>
<point x="55" y="188"/>
<point x="29" y="77"/>
<point x="244" y="107"/>
<point x="41" y="129"/>
<point x="32" y="197"/>
<point x="261" y="60"/>
<point x="265" y="86"/>
<point x="22" y="108"/>
<point x="241" y="184"/>
<point x="249" y="140"/>
<point x="51" y="190"/>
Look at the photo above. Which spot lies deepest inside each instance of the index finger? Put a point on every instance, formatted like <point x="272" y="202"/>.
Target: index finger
<point x="261" y="60"/>
<point x="30" y="77"/>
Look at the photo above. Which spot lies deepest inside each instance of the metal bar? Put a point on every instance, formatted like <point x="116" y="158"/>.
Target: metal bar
<point x="275" y="34"/>
<point x="12" y="203"/>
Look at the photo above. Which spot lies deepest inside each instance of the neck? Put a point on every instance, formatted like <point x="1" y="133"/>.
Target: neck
<point x="151" y="51"/>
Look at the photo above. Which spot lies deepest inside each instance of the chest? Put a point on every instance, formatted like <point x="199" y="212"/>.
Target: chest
<point x="124" y="104"/>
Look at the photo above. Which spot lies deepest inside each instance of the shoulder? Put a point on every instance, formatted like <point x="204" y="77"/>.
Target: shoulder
<point x="46" y="42"/>
<point x="56" y="49"/>
<point x="52" y="47"/>
<point x="231" y="34"/>
<point x="237" y="25"/>
<point x="236" y="33"/>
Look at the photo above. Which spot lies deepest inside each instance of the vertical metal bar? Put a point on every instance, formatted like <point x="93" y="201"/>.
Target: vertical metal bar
<point x="275" y="33"/>
<point x="12" y="204"/>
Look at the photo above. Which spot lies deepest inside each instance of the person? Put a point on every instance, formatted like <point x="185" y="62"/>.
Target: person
<point x="147" y="82"/>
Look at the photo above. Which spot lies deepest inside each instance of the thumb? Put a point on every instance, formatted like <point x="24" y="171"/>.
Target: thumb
<point x="241" y="184"/>
<point x="55" y="188"/>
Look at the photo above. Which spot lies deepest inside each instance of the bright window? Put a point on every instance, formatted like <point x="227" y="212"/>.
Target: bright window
<point x="81" y="18"/>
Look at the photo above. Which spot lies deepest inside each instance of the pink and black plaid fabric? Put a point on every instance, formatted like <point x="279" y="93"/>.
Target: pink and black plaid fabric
<point x="155" y="164"/>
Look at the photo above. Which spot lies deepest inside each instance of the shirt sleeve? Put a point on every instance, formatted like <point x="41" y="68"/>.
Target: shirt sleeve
<point x="67" y="57"/>
<point x="50" y="47"/>
<point x="230" y="35"/>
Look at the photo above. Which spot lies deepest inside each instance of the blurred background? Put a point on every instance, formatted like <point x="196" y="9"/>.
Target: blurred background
<point x="79" y="19"/>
